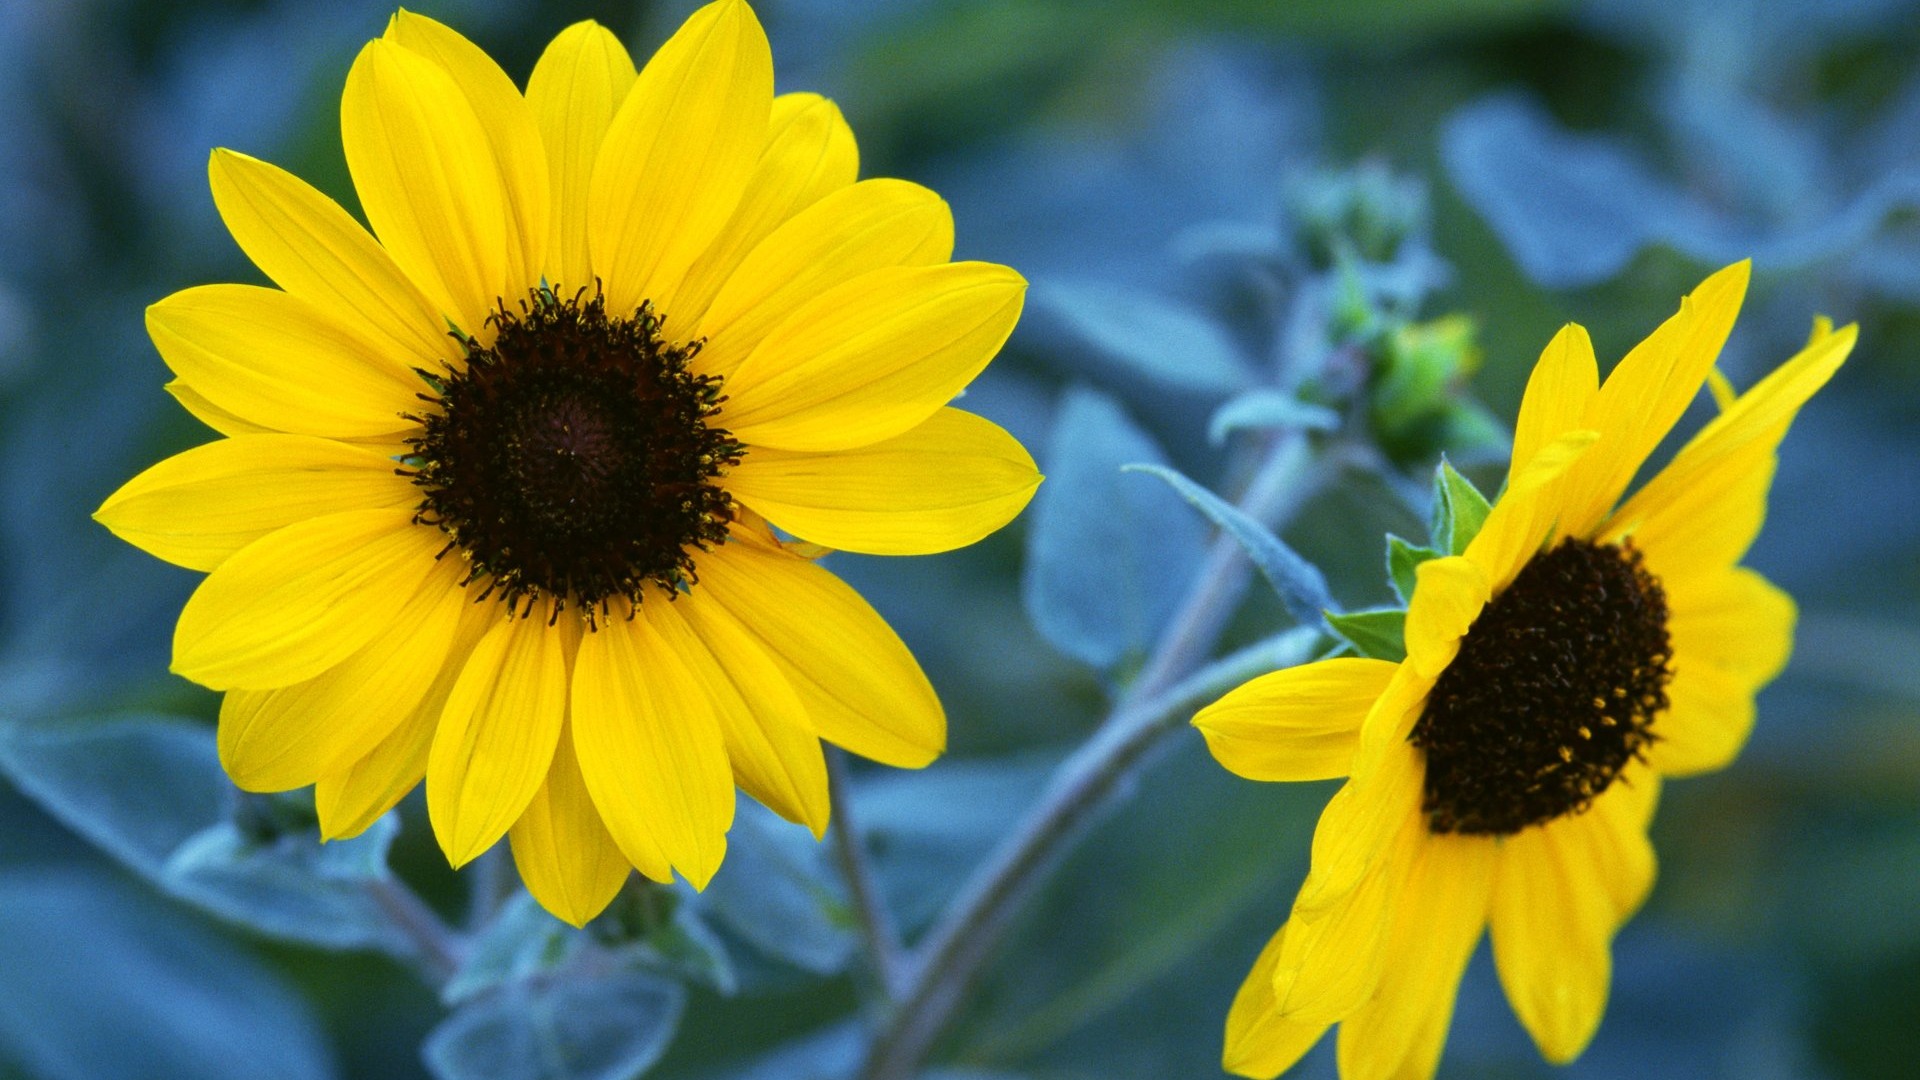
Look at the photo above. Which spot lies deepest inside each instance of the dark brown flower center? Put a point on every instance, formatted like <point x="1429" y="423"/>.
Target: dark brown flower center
<point x="1554" y="691"/>
<point x="574" y="457"/>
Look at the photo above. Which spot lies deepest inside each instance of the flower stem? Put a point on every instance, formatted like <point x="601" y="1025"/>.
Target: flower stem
<point x="966" y="935"/>
<point x="438" y="949"/>
<point x="877" y="931"/>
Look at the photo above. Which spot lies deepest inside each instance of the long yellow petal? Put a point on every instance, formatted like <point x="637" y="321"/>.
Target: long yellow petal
<point x="1302" y="723"/>
<point x="1259" y="1042"/>
<point x="562" y="848"/>
<point x="353" y="798"/>
<point x="298" y="601"/>
<point x="212" y="415"/>
<point x="869" y="226"/>
<point x="1448" y="595"/>
<point x="277" y="361"/>
<point x="1704" y="509"/>
<point x="1732" y="633"/>
<point x="810" y="152"/>
<point x="275" y="740"/>
<point x="1561" y="891"/>
<point x="424" y="168"/>
<point x="940" y="486"/>
<point x="1531" y="509"/>
<point x="1400" y="1032"/>
<point x="771" y="744"/>
<point x="1358" y="826"/>
<point x="650" y="746"/>
<point x="874" y="357"/>
<point x="862" y="688"/>
<point x="1558" y="394"/>
<point x="198" y="507"/>
<point x="1646" y="393"/>
<point x="1336" y="954"/>
<point x="678" y="155"/>
<point x="313" y="249"/>
<point x="575" y="90"/>
<point x="497" y="732"/>
<point x="504" y="115"/>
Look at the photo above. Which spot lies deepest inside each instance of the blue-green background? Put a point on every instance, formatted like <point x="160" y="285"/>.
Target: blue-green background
<point x="1583" y="162"/>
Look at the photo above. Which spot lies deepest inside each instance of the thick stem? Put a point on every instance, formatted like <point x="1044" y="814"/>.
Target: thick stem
<point x="438" y="950"/>
<point x="877" y="931"/>
<point x="967" y="934"/>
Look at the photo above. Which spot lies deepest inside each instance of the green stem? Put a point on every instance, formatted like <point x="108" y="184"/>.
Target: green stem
<point x="877" y="931"/>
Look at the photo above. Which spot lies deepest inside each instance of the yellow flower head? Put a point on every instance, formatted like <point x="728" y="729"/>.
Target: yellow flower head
<point x="1503" y="775"/>
<point x="492" y="507"/>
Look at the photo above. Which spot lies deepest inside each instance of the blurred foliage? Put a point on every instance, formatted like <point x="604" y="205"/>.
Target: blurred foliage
<point x="1178" y="182"/>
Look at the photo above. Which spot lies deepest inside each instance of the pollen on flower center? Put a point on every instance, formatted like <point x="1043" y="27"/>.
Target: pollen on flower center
<point x="575" y="457"/>
<point x="1554" y="691"/>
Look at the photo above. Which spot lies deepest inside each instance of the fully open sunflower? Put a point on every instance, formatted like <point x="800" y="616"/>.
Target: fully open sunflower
<point x="1503" y="775"/>
<point x="493" y="501"/>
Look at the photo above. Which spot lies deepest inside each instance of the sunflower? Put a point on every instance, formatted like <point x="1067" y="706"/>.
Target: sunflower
<point x="1502" y="776"/>
<point x="496" y="497"/>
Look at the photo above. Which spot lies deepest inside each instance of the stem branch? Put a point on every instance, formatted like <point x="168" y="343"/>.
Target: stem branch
<point x="877" y="931"/>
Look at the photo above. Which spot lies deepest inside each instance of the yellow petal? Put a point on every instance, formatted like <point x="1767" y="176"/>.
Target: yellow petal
<point x="775" y="754"/>
<point x="873" y="358"/>
<point x="424" y="169"/>
<point x="504" y="115"/>
<point x="353" y="798"/>
<point x="1530" y="510"/>
<point x="851" y="232"/>
<point x="650" y="745"/>
<point x="810" y="152"/>
<point x="1364" y="816"/>
<point x="196" y="508"/>
<point x="1731" y="634"/>
<point x="1703" y="510"/>
<point x="940" y="486"/>
<point x="1400" y="1032"/>
<point x="679" y="154"/>
<point x="1646" y="393"/>
<point x="296" y="602"/>
<point x="274" y="360"/>
<point x="1448" y="595"/>
<point x="313" y="249"/>
<point x="1302" y="723"/>
<point x="574" y="92"/>
<point x="1335" y="954"/>
<point x="861" y="687"/>
<point x="1558" y="393"/>
<point x="275" y="740"/>
<point x="1560" y="892"/>
<point x="1259" y="1042"/>
<point x="497" y="732"/>
<point x="210" y="414"/>
<point x="565" y="854"/>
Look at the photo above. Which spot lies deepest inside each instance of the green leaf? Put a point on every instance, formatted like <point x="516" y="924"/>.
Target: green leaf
<point x="1380" y="633"/>
<point x="1458" y="509"/>
<point x="1403" y="559"/>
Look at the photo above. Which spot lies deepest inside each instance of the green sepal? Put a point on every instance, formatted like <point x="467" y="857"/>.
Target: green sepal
<point x="1380" y="633"/>
<point x="1459" y="510"/>
<point x="1403" y="559"/>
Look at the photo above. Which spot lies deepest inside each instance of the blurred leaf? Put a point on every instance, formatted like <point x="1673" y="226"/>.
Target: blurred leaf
<point x="684" y="947"/>
<point x="1402" y="560"/>
<point x="1268" y="410"/>
<point x="1572" y="209"/>
<point x="1380" y="633"/>
<point x="100" y="982"/>
<point x="583" y="1026"/>
<point x="1301" y="586"/>
<point x="927" y="828"/>
<point x="780" y="894"/>
<point x="136" y="786"/>
<point x="1138" y="333"/>
<point x="1109" y="556"/>
<point x="1459" y="510"/>
<point x="522" y="941"/>
<point x="291" y="887"/>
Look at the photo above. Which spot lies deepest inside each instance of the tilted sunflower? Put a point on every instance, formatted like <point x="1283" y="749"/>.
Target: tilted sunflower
<point x="494" y="498"/>
<point x="1503" y="775"/>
